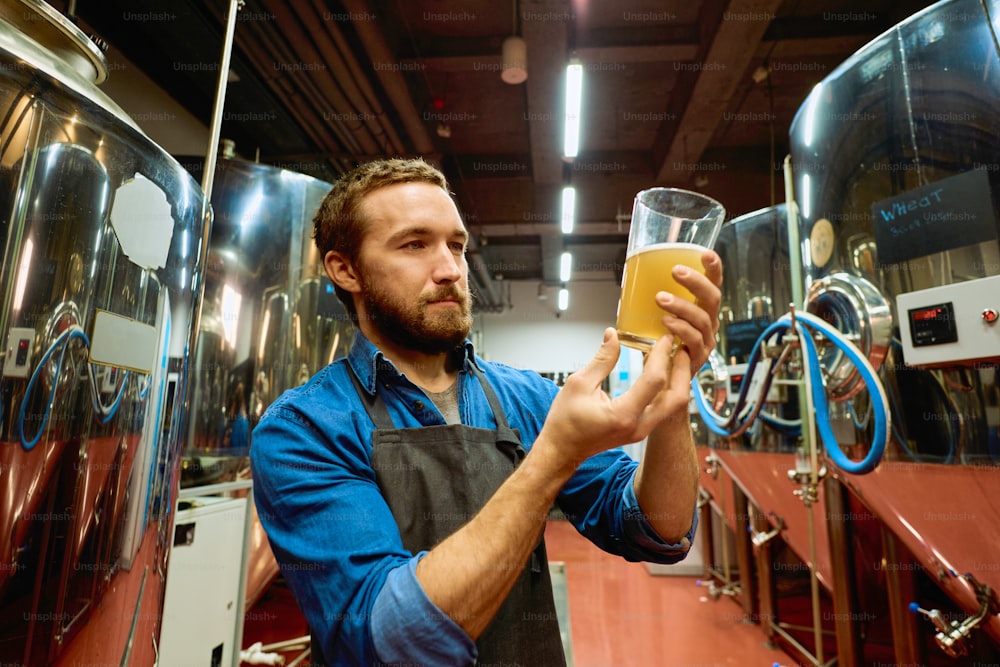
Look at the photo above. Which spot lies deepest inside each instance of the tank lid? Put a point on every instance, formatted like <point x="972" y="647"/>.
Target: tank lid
<point x="53" y="31"/>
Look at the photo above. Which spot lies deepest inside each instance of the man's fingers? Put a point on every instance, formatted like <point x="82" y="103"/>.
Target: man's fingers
<point x="713" y="267"/>
<point x="651" y="382"/>
<point x="602" y="363"/>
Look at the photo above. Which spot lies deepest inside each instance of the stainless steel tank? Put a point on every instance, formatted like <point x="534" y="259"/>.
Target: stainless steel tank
<point x="102" y="232"/>
<point x="756" y="291"/>
<point x="896" y="163"/>
<point x="269" y="321"/>
<point x="896" y="160"/>
<point x="756" y="285"/>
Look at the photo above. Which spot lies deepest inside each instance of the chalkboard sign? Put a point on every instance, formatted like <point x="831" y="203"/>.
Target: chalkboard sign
<point x="947" y="214"/>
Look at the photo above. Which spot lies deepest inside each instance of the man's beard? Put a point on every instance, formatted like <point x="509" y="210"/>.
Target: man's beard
<point x="408" y="325"/>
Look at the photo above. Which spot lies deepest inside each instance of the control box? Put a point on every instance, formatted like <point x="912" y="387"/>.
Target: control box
<point x="761" y="371"/>
<point x="17" y="360"/>
<point x="951" y="325"/>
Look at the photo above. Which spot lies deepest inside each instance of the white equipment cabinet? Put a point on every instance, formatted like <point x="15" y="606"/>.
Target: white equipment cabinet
<point x="202" y="606"/>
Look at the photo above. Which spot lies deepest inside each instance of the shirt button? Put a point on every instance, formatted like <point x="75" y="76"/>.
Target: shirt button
<point x="419" y="405"/>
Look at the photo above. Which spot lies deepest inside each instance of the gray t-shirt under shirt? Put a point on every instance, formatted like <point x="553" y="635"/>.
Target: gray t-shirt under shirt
<point x="447" y="402"/>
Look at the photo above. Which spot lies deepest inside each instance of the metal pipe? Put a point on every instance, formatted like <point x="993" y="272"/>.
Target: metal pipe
<point x="809" y="443"/>
<point x="129" y="642"/>
<point x="208" y="176"/>
<point x="794" y="243"/>
<point x="805" y="395"/>
<point x="211" y="155"/>
<point x="329" y="89"/>
<point x="346" y="68"/>
<point x="392" y="80"/>
<point x="255" y="46"/>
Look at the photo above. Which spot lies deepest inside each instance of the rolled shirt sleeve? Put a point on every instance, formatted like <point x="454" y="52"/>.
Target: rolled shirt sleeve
<point x="408" y="628"/>
<point x="639" y="531"/>
<point x="599" y="500"/>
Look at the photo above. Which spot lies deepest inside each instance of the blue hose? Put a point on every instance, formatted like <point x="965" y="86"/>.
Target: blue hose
<point x="62" y="340"/>
<point x="875" y="389"/>
<point x="729" y="426"/>
<point x="736" y="423"/>
<point x="106" y="412"/>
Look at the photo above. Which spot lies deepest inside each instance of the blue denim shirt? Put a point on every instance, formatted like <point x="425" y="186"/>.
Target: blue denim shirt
<point x="335" y="539"/>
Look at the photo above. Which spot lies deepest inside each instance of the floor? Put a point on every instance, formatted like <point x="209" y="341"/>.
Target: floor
<point x="620" y="615"/>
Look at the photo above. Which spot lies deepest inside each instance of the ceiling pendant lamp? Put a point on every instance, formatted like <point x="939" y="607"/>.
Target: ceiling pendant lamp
<point x="514" y="56"/>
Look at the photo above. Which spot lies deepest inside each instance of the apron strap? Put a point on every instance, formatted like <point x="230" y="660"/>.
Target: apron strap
<point x="375" y="406"/>
<point x="499" y="415"/>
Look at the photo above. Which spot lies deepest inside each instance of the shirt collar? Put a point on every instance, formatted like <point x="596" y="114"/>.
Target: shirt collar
<point x="370" y="365"/>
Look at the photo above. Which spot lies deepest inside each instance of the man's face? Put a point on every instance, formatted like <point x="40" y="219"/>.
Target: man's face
<point x="412" y="268"/>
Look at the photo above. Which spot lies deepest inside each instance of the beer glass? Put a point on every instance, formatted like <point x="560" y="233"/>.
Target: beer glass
<point x="669" y="226"/>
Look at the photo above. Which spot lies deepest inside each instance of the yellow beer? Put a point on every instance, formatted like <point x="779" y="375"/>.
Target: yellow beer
<point x="648" y="271"/>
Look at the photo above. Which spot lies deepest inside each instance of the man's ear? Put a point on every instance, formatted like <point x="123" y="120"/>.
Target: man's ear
<point x="341" y="272"/>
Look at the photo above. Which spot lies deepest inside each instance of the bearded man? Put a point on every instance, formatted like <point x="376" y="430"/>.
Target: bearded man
<point x="405" y="488"/>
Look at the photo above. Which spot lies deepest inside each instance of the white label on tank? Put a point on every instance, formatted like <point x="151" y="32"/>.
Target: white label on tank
<point x="123" y="342"/>
<point x="142" y="221"/>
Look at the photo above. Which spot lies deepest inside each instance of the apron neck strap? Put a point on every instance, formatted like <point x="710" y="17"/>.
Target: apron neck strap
<point x="375" y="406"/>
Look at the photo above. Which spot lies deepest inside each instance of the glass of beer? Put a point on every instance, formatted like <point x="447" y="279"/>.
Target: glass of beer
<point x="669" y="227"/>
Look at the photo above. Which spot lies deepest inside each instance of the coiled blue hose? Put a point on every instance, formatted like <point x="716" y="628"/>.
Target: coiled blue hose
<point x="62" y="341"/>
<point x="740" y="419"/>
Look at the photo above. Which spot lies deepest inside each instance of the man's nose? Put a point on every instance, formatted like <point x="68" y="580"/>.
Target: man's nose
<point x="448" y="266"/>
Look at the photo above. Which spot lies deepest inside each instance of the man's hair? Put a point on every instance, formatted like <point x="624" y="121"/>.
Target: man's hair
<point x="339" y="224"/>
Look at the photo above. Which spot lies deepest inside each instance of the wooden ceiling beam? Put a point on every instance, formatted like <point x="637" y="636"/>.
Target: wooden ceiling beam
<point x="719" y="74"/>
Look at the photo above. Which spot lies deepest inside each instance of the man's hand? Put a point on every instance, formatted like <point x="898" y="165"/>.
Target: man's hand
<point x="584" y="420"/>
<point x="695" y="324"/>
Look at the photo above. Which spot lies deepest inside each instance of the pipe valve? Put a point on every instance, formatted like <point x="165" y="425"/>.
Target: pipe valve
<point x="952" y="638"/>
<point x="759" y="537"/>
<point x="715" y="591"/>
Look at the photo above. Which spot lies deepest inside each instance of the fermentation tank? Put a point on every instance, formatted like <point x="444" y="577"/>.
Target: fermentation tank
<point x="896" y="176"/>
<point x="269" y="321"/>
<point x="872" y="538"/>
<point x="756" y="291"/>
<point x="102" y="232"/>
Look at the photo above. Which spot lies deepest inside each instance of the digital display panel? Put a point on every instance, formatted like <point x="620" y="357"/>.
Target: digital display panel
<point x="933" y="325"/>
<point x="926" y="314"/>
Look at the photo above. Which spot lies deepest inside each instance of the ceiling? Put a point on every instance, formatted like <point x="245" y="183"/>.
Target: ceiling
<point x="670" y="98"/>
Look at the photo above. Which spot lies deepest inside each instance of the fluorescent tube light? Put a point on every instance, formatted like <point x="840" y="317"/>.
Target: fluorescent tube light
<point x="568" y="208"/>
<point x="565" y="265"/>
<point x="574" y="97"/>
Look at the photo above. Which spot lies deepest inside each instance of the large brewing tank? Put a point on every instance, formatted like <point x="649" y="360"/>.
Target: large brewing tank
<point x="269" y="318"/>
<point x="269" y="321"/>
<point x="756" y="291"/>
<point x="756" y="285"/>
<point x="101" y="234"/>
<point x="896" y="173"/>
<point x="896" y="161"/>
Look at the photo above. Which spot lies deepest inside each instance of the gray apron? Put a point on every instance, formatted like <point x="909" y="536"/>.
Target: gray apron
<point x="436" y="478"/>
